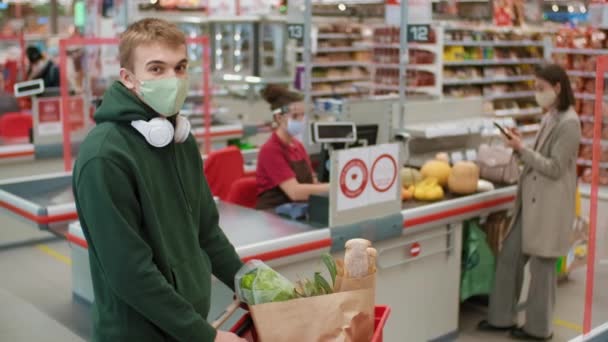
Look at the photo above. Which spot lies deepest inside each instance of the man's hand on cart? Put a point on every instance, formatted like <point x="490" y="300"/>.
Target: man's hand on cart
<point x="224" y="336"/>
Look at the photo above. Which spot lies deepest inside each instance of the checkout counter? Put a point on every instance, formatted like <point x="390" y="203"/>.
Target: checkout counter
<point x="47" y="130"/>
<point x="419" y="247"/>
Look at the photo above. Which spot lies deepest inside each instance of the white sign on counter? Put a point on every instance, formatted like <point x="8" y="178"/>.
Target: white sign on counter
<point x="367" y="176"/>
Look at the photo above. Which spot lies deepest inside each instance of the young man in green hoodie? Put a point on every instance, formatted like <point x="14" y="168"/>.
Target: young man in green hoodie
<point x="146" y="210"/>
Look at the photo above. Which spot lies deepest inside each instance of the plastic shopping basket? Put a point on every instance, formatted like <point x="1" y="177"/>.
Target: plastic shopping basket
<point x="244" y="327"/>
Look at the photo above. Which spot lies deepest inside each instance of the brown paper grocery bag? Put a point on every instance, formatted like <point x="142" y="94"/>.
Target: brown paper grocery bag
<point x="339" y="317"/>
<point x="350" y="284"/>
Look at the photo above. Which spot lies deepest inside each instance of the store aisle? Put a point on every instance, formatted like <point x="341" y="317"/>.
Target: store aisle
<point x="38" y="278"/>
<point x="40" y="275"/>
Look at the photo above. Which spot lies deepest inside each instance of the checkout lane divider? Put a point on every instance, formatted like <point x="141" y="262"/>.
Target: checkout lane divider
<point x="16" y="151"/>
<point x="265" y="256"/>
<point x="68" y="261"/>
<point x="38" y="218"/>
<point x="425" y="219"/>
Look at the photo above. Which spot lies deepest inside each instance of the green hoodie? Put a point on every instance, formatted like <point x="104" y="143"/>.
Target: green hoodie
<point x="152" y="228"/>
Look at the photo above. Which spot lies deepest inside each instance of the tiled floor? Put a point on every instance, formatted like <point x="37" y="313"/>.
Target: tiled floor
<point x="39" y="278"/>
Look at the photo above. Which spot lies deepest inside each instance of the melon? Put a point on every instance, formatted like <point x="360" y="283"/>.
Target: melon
<point x="436" y="169"/>
<point x="409" y="176"/>
<point x="463" y="178"/>
<point x="484" y="186"/>
<point x="442" y="156"/>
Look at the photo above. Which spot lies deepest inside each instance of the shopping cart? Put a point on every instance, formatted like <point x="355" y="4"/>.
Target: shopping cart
<point x="244" y="327"/>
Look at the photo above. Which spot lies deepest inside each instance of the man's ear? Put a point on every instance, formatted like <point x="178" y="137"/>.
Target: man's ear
<point x="126" y="78"/>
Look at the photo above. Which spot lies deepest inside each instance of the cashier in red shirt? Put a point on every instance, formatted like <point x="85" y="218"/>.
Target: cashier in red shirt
<point x="284" y="173"/>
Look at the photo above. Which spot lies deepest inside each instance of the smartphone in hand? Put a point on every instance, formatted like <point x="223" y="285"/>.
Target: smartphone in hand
<point x="502" y="130"/>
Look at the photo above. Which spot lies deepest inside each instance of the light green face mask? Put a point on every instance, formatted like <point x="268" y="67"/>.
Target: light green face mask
<point x="166" y="96"/>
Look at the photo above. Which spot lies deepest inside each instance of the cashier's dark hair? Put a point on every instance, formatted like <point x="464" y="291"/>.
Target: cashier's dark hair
<point x="555" y="74"/>
<point x="279" y="96"/>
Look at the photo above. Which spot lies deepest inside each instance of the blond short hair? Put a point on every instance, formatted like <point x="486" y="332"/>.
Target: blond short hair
<point x="145" y="32"/>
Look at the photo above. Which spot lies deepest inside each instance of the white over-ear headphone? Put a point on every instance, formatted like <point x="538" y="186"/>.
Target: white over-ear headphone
<point x="159" y="132"/>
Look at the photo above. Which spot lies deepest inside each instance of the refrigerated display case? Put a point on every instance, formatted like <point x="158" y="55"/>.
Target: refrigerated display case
<point x="240" y="46"/>
<point x="233" y="48"/>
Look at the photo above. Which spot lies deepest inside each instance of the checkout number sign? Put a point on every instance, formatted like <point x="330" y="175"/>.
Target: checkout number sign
<point x="367" y="176"/>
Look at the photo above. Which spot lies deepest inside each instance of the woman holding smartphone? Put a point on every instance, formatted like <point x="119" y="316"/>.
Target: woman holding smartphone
<point x="544" y="213"/>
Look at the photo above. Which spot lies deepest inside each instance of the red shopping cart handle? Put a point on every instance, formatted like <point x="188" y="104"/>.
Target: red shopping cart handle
<point x="244" y="327"/>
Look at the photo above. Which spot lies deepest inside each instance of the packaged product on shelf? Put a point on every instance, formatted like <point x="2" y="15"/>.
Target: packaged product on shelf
<point x="586" y="152"/>
<point x="589" y="87"/>
<point x="562" y="60"/>
<point x="578" y="84"/>
<point x="587" y="176"/>
<point x="587" y="130"/>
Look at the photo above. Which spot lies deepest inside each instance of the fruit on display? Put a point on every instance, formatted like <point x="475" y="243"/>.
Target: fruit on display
<point x="428" y="190"/>
<point x="463" y="178"/>
<point x="410" y="176"/>
<point x="442" y="156"/>
<point x="484" y="186"/>
<point x="407" y="193"/>
<point x="437" y="169"/>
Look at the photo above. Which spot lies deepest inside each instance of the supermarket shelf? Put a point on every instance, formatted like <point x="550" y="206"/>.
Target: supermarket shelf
<point x="411" y="46"/>
<point x="459" y="127"/>
<point x="338" y="64"/>
<point x="214" y="111"/>
<point x="423" y="67"/>
<point x="527" y="129"/>
<point x="338" y="79"/>
<point x="580" y="51"/>
<point x="585" y="188"/>
<point x="395" y="66"/>
<point x="429" y="89"/>
<point x="591" y="118"/>
<point x="522" y="43"/>
<point x="338" y="36"/>
<point x="586" y="162"/>
<point x="585" y="141"/>
<point x="390" y="87"/>
<point x="513" y="95"/>
<point x="215" y="92"/>
<point x="489" y="80"/>
<point x="495" y="62"/>
<point x="355" y="48"/>
<point x="587" y="96"/>
<point x="425" y="47"/>
<point x="335" y="92"/>
<point x="518" y="112"/>
<point x="466" y="1"/>
<point x="578" y="73"/>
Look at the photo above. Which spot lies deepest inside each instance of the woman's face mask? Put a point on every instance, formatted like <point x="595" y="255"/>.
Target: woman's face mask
<point x="546" y="98"/>
<point x="295" y="122"/>
<point x="295" y="127"/>
<point x="545" y="94"/>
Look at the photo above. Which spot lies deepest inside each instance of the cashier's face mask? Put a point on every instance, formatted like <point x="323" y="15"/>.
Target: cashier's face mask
<point x="166" y="96"/>
<point x="295" y="127"/>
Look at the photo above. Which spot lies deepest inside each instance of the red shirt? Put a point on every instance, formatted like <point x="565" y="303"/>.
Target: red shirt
<point x="273" y="167"/>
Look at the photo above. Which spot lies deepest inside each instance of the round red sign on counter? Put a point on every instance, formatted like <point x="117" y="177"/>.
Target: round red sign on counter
<point x="384" y="173"/>
<point x="415" y="249"/>
<point x="353" y="178"/>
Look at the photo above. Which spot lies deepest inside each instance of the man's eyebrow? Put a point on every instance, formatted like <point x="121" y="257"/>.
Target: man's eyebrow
<point x="156" y="62"/>
<point x="185" y="60"/>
